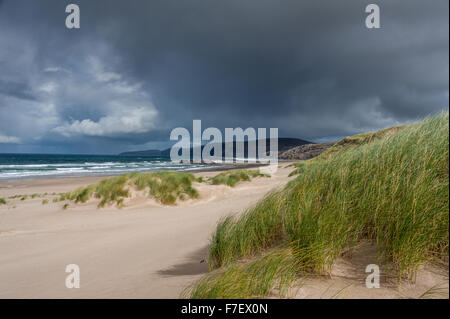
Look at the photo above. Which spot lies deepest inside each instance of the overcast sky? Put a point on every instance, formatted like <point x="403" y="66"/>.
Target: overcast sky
<point x="137" y="69"/>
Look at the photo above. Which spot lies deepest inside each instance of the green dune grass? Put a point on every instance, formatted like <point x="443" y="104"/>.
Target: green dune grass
<point x="233" y="177"/>
<point x="165" y="186"/>
<point x="389" y="187"/>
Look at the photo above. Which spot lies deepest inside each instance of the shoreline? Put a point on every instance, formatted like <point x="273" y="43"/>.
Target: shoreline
<point x="211" y="168"/>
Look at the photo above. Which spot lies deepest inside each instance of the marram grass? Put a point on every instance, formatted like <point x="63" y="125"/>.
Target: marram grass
<point x="391" y="188"/>
<point x="165" y="186"/>
<point x="273" y="271"/>
<point x="233" y="177"/>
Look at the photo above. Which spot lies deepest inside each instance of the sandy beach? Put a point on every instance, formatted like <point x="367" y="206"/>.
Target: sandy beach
<point x="145" y="249"/>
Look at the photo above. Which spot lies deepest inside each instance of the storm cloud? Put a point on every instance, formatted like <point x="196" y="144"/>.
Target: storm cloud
<point x="137" y="69"/>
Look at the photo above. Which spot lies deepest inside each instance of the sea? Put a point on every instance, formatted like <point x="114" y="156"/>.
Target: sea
<point x="35" y="166"/>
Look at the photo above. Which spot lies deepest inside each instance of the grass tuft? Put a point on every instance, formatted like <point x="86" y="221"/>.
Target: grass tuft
<point x="274" y="271"/>
<point x="233" y="177"/>
<point x="165" y="186"/>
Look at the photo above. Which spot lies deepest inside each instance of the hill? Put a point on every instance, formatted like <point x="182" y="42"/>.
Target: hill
<point x="284" y="144"/>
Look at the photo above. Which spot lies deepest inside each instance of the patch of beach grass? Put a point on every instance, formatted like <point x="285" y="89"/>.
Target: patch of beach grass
<point x="391" y="188"/>
<point x="272" y="272"/>
<point x="259" y="228"/>
<point x="166" y="187"/>
<point x="2" y="201"/>
<point x="109" y="190"/>
<point x="25" y="197"/>
<point x="350" y="142"/>
<point x="233" y="177"/>
<point x="438" y="290"/>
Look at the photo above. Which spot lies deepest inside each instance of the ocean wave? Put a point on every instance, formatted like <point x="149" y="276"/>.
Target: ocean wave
<point x="46" y="170"/>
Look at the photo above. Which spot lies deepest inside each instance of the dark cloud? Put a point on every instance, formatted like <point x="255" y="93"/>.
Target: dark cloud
<point x="18" y="90"/>
<point x="136" y="69"/>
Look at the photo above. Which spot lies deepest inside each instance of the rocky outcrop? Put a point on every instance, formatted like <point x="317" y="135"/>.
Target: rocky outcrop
<point x="304" y="152"/>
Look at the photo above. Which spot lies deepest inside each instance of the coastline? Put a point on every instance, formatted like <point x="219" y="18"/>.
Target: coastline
<point x="210" y="168"/>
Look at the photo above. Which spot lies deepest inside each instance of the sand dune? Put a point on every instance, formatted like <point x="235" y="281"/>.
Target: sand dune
<point x="144" y="250"/>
